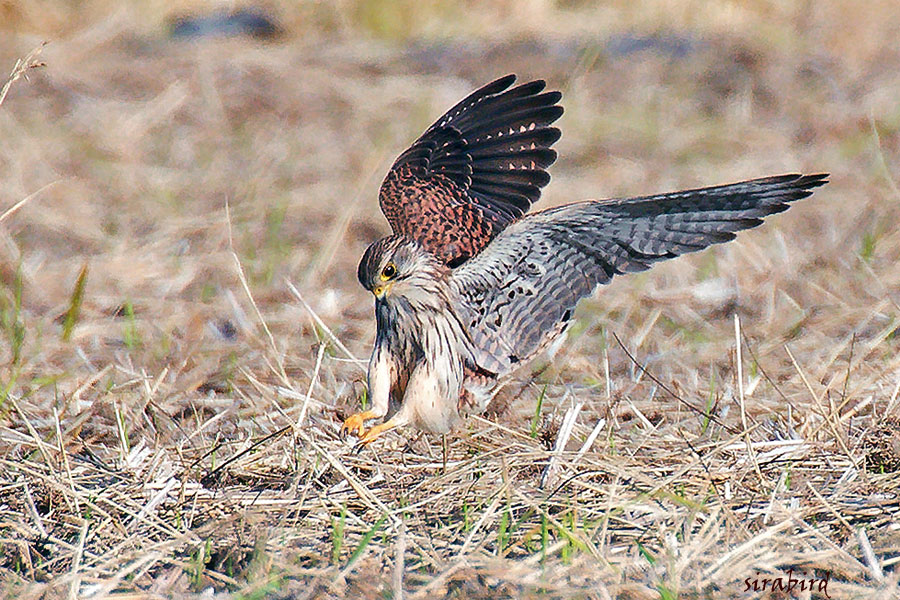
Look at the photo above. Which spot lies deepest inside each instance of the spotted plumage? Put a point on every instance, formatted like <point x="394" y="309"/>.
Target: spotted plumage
<point x="469" y="287"/>
<point x="475" y="170"/>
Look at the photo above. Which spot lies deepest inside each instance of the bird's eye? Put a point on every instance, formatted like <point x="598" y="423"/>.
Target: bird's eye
<point x="389" y="271"/>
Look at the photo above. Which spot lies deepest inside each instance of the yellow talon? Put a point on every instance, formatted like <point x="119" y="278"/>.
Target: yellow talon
<point x="374" y="432"/>
<point x="356" y="423"/>
<point x="369" y="436"/>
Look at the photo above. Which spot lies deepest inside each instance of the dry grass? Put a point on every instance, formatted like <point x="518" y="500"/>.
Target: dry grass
<point x="169" y="406"/>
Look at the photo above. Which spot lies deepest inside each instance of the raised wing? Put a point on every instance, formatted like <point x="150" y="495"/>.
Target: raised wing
<point x="477" y="169"/>
<point x="524" y="286"/>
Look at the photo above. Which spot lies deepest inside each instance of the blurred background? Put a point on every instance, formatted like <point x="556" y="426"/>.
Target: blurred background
<point x="150" y="116"/>
<point x="166" y="150"/>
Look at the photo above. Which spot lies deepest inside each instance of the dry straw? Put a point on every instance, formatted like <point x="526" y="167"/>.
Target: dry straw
<point x="180" y="433"/>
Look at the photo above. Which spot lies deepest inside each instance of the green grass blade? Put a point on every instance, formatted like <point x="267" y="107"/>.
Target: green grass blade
<point x="337" y="535"/>
<point x="365" y="540"/>
<point x="710" y="401"/>
<point x="537" y="413"/>
<point x="647" y="556"/>
<point x="75" y="304"/>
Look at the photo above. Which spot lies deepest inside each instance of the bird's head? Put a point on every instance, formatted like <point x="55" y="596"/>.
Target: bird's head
<point x="398" y="267"/>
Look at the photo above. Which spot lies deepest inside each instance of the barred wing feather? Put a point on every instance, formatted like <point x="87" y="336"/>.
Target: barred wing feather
<point x="522" y="288"/>
<point x="477" y="169"/>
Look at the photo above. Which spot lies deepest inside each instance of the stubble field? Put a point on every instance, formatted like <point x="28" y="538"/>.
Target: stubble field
<point x="182" y="333"/>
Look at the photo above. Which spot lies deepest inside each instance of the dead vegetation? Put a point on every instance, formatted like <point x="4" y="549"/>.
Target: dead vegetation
<point x="181" y="329"/>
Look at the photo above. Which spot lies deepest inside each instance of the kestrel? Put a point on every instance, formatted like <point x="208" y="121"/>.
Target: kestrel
<point x="469" y="287"/>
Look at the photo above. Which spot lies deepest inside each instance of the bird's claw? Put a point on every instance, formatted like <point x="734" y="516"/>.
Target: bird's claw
<point x="364" y="440"/>
<point x="372" y="433"/>
<point x="355" y="424"/>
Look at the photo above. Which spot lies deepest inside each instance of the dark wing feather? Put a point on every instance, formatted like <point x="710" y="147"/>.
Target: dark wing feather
<point x="476" y="170"/>
<point x="522" y="288"/>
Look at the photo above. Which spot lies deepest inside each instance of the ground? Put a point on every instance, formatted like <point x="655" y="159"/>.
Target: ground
<point x="181" y="331"/>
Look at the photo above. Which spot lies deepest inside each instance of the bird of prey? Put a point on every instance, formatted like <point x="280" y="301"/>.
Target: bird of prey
<point x="470" y="287"/>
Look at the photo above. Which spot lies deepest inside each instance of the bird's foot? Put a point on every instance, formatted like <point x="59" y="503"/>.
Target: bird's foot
<point x="356" y="423"/>
<point x="374" y="432"/>
<point x="369" y="436"/>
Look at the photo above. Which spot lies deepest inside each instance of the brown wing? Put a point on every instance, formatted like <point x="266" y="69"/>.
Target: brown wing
<point x="476" y="170"/>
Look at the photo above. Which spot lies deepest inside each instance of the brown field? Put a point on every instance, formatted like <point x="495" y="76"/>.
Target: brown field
<point x="169" y="407"/>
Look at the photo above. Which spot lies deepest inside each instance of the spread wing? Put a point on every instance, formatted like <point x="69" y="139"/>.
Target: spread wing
<point x="524" y="286"/>
<point x="477" y="169"/>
